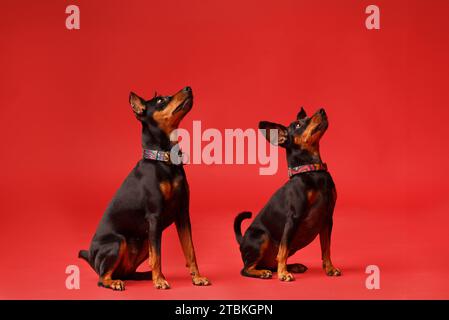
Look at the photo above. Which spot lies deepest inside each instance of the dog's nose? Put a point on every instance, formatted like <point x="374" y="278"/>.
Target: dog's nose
<point x="188" y="89"/>
<point x="322" y="111"/>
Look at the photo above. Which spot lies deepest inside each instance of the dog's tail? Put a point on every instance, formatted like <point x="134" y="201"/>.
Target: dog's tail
<point x="238" y="225"/>
<point x="84" y="254"/>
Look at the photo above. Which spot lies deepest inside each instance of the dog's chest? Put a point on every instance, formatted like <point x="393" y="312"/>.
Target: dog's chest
<point x="312" y="220"/>
<point x="174" y="190"/>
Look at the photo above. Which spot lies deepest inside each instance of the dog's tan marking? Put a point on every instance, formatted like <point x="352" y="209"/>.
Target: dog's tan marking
<point x="166" y="189"/>
<point x="311" y="196"/>
<point x="325" y="241"/>
<point x="307" y="140"/>
<point x="259" y="273"/>
<point x="281" y="258"/>
<point x="159" y="281"/>
<point x="106" y="280"/>
<point x="165" y="119"/>
<point x="177" y="183"/>
<point x="185" y="237"/>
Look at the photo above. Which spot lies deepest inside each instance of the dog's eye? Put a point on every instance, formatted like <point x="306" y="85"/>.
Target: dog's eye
<point x="159" y="100"/>
<point x="300" y="123"/>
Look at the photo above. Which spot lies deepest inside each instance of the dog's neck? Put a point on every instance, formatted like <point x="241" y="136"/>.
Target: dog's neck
<point x="300" y="157"/>
<point x="155" y="139"/>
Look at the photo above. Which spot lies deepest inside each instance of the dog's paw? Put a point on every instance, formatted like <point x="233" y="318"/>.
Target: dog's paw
<point x="161" y="283"/>
<point x="286" y="276"/>
<point x="297" y="268"/>
<point x="201" y="281"/>
<point x="117" y="285"/>
<point x="331" y="271"/>
<point x="266" y="274"/>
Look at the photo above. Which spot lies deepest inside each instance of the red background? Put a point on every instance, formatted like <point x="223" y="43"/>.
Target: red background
<point x="69" y="137"/>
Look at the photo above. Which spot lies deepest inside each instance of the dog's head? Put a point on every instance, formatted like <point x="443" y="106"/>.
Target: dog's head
<point x="304" y="133"/>
<point x="162" y="113"/>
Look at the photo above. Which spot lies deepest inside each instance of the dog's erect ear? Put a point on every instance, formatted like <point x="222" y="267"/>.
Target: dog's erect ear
<point x="137" y="103"/>
<point x="275" y="133"/>
<point x="301" y="114"/>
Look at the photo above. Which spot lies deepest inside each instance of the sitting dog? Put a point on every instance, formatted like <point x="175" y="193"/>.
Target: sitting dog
<point x="153" y="196"/>
<point x="300" y="210"/>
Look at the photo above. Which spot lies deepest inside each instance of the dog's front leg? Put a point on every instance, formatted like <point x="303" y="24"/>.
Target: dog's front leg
<point x="284" y="248"/>
<point x="325" y="241"/>
<point x="155" y="236"/>
<point x="185" y="237"/>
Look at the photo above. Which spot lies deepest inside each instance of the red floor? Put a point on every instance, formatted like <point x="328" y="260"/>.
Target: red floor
<point x="411" y="267"/>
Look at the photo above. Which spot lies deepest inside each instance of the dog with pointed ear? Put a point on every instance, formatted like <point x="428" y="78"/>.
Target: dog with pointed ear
<point x="154" y="195"/>
<point x="301" y="114"/>
<point x="280" y="135"/>
<point x="297" y="212"/>
<point x="137" y="103"/>
<point x="275" y="133"/>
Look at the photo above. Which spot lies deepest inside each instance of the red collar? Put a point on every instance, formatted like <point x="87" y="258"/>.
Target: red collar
<point x="307" y="168"/>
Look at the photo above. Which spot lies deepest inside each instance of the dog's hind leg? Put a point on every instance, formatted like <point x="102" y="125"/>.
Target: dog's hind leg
<point x="296" y="268"/>
<point x="110" y="259"/>
<point x="253" y="250"/>
<point x="139" y="276"/>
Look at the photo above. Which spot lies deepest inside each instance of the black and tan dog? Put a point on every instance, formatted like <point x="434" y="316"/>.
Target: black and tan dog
<point x="153" y="196"/>
<point x="298" y="211"/>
